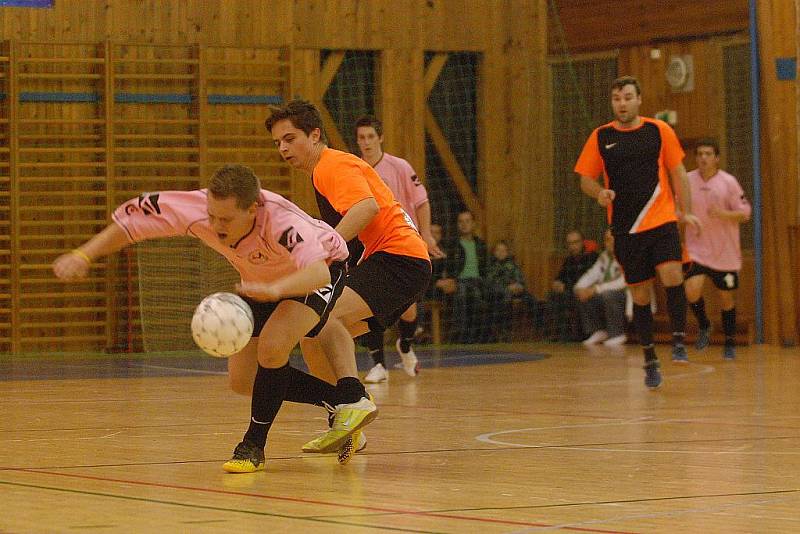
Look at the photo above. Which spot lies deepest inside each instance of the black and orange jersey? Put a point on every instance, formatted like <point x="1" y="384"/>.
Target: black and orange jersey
<point x="635" y="164"/>
<point x="341" y="180"/>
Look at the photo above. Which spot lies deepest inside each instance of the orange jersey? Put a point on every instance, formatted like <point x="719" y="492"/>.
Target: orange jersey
<point x="341" y="180"/>
<point x="635" y="164"/>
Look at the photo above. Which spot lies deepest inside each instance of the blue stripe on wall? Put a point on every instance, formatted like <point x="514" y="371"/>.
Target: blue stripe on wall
<point x="244" y="99"/>
<point x="34" y="96"/>
<point x="146" y="98"/>
<point x="152" y="98"/>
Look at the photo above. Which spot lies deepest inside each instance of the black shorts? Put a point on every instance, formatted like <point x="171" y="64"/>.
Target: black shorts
<point x="723" y="280"/>
<point x="321" y="301"/>
<point x="390" y="283"/>
<point x="640" y="254"/>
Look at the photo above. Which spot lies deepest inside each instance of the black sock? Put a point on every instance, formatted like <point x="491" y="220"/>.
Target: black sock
<point x="269" y="390"/>
<point x="643" y="322"/>
<point x="676" y="306"/>
<point x="407" y="330"/>
<point x="307" y="389"/>
<point x="348" y="390"/>
<point x="729" y="326"/>
<point x="374" y="342"/>
<point x="649" y="354"/>
<point x="699" y="310"/>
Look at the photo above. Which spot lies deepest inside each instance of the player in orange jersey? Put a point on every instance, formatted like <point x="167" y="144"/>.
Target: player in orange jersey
<point x="641" y="164"/>
<point x="393" y="271"/>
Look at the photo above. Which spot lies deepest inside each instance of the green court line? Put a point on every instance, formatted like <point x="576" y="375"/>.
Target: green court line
<point x="214" y="508"/>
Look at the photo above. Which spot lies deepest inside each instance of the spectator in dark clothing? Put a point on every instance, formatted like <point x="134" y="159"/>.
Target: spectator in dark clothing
<point x="465" y="272"/>
<point x="437" y="266"/>
<point x="505" y="284"/>
<point x="563" y="321"/>
<point x="433" y="293"/>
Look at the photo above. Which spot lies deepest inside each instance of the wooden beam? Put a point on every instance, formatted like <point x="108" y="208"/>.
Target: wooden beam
<point x="335" y="139"/>
<point x="13" y="174"/>
<point x="443" y="147"/>
<point x="432" y="72"/>
<point x="329" y="70"/>
<point x="451" y="165"/>
<point x="111" y="187"/>
<point x="326" y="76"/>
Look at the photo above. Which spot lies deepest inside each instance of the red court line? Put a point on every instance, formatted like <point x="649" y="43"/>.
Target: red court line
<point x="312" y="501"/>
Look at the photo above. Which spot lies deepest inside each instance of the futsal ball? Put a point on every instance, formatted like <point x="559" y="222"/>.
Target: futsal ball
<point x="222" y="324"/>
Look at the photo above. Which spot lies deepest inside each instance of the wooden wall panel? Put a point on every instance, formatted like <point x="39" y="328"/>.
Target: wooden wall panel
<point x="778" y="26"/>
<point x="401" y="105"/>
<point x="508" y="34"/>
<point x="67" y="21"/>
<point x="699" y="111"/>
<point x="594" y="25"/>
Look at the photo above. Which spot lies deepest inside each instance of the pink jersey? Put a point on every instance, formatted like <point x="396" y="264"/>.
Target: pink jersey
<point x="717" y="244"/>
<point x="402" y="180"/>
<point x="283" y="240"/>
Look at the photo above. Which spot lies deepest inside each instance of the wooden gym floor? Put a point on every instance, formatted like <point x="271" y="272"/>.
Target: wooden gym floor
<point x="511" y="438"/>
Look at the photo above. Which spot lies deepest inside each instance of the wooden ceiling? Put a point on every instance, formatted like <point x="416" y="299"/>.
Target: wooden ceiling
<point x="597" y="25"/>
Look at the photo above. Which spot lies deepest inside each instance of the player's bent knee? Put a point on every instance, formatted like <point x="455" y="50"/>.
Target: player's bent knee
<point x="240" y="385"/>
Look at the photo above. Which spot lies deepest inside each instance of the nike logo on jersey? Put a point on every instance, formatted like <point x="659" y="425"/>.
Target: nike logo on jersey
<point x="611" y="145"/>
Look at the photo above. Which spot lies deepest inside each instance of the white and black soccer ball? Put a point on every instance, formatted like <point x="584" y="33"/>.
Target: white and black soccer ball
<point x="222" y="324"/>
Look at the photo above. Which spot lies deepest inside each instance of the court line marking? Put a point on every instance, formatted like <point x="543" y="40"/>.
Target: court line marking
<point x="279" y="498"/>
<point x="183" y="369"/>
<point x="214" y="508"/>
<point x="719" y="509"/>
<point x="489" y="438"/>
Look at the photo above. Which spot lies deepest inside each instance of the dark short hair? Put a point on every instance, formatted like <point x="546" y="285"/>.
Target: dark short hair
<point x="619" y="83"/>
<point x="301" y="113"/>
<point x="708" y="141"/>
<point x="369" y="120"/>
<point x="236" y="181"/>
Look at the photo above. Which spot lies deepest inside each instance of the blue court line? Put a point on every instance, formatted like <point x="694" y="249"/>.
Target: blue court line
<point x="194" y="364"/>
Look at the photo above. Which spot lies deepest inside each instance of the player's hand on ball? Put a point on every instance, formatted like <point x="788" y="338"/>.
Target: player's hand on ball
<point x="259" y="291"/>
<point x="605" y="197"/>
<point x="70" y="266"/>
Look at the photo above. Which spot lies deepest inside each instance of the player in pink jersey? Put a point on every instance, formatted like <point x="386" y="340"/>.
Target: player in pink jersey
<point x="719" y="202"/>
<point x="398" y="174"/>
<point x="292" y="271"/>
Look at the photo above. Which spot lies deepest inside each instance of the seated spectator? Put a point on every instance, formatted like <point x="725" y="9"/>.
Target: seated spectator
<point x="563" y="320"/>
<point x="465" y="271"/>
<point x="433" y="292"/>
<point x="437" y="266"/>
<point x="504" y="284"/>
<point x="601" y="294"/>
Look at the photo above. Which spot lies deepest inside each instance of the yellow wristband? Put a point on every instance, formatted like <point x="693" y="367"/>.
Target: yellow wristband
<point x="81" y="254"/>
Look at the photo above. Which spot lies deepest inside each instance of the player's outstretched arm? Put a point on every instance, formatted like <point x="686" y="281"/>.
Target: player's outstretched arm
<point x="75" y="264"/>
<point x="310" y="278"/>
